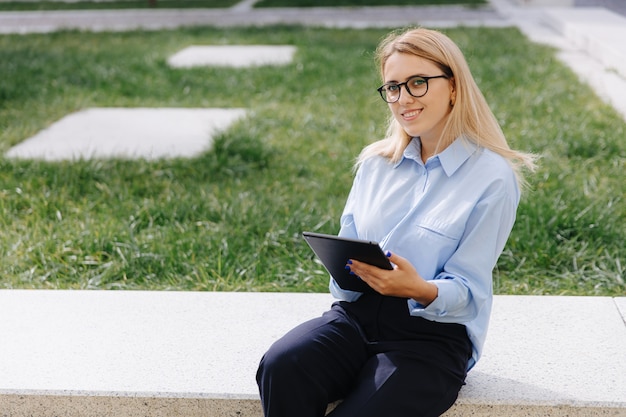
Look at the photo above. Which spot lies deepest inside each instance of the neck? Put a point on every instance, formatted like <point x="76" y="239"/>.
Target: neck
<point x="433" y="147"/>
<point x="428" y="149"/>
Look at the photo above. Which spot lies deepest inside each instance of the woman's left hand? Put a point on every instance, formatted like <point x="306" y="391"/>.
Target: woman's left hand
<point x="402" y="281"/>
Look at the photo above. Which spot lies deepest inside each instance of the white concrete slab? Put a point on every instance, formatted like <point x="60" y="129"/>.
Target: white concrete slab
<point x="150" y="133"/>
<point x="136" y="353"/>
<point x="126" y="342"/>
<point x="237" y="56"/>
<point x="553" y="350"/>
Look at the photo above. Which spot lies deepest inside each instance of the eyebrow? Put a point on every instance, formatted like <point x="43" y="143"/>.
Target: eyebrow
<point x="407" y="79"/>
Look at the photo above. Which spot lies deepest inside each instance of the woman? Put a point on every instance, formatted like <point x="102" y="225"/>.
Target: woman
<point x="440" y="195"/>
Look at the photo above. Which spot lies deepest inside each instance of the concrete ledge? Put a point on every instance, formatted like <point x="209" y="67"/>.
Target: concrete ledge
<point x="136" y="353"/>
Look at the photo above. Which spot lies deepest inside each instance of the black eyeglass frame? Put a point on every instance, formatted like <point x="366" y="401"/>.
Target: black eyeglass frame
<point x="406" y="87"/>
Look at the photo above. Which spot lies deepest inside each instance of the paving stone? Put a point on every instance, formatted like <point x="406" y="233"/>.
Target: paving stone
<point x="128" y="133"/>
<point x="238" y="56"/>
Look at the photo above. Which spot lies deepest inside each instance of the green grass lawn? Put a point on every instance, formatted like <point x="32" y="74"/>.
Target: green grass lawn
<point x="231" y="219"/>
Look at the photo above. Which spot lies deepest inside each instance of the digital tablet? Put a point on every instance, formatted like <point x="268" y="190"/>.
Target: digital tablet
<point x="334" y="252"/>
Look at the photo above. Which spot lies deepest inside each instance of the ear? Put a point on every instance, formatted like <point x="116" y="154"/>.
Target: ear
<point x="452" y="92"/>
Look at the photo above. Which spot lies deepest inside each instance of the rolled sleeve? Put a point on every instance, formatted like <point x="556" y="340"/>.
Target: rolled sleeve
<point x="341" y="294"/>
<point x="451" y="295"/>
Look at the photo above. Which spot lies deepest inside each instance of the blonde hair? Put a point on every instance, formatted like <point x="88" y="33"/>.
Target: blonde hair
<point x="470" y="117"/>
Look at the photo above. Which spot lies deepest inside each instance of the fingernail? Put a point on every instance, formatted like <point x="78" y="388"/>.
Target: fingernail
<point x="347" y="267"/>
<point x="349" y="261"/>
<point x="388" y="254"/>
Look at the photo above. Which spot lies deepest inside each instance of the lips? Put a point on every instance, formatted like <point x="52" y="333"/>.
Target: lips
<point x="412" y="114"/>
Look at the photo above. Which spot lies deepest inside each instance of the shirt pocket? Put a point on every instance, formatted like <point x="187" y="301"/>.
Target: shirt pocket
<point x="435" y="242"/>
<point x="439" y="230"/>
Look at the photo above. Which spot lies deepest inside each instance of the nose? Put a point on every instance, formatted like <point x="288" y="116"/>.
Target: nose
<point x="405" y="96"/>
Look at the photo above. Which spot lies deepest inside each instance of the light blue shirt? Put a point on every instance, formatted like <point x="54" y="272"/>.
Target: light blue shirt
<point x="450" y="217"/>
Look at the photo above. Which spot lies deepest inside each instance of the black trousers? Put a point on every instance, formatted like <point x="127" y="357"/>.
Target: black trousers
<point x="371" y="354"/>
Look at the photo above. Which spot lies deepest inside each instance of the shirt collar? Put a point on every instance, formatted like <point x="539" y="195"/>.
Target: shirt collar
<point x="412" y="151"/>
<point x="450" y="159"/>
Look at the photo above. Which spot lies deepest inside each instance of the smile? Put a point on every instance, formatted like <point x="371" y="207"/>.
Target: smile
<point x="411" y="114"/>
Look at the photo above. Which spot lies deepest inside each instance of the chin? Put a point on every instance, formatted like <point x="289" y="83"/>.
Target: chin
<point x="413" y="133"/>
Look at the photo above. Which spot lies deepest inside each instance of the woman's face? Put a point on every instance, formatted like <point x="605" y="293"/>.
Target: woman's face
<point x="419" y="116"/>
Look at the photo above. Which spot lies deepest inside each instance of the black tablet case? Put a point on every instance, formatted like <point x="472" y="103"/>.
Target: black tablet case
<point x="334" y="252"/>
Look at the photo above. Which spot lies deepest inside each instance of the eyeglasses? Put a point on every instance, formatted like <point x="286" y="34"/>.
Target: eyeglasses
<point x="416" y="86"/>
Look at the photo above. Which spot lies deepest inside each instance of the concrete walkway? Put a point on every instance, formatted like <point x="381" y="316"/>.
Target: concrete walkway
<point x="588" y="39"/>
<point x="357" y="17"/>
